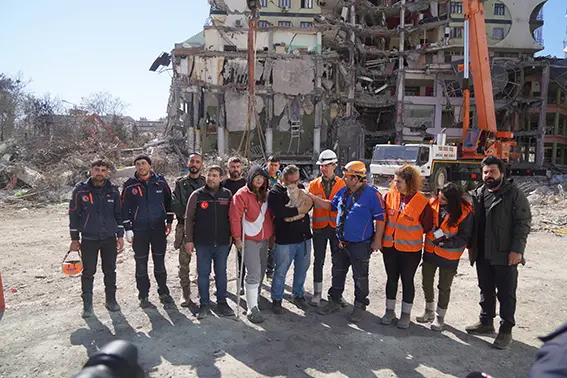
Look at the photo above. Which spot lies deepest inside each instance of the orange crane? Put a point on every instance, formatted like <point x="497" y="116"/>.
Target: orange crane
<point x="439" y="162"/>
<point x="485" y="140"/>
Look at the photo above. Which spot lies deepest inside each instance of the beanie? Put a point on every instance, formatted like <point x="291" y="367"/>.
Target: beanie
<point x="144" y="157"/>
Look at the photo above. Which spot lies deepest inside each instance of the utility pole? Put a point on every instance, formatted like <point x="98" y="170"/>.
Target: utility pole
<point x="400" y="81"/>
<point x="252" y="27"/>
<point x="350" y="103"/>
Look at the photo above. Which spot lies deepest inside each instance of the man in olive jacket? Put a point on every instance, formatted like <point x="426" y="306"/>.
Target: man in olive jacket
<point x="502" y="224"/>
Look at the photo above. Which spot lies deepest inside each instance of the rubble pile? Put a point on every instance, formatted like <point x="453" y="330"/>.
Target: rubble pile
<point x="45" y="170"/>
<point x="548" y="202"/>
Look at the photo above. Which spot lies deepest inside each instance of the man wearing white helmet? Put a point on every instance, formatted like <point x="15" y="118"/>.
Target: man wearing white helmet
<point x="324" y="221"/>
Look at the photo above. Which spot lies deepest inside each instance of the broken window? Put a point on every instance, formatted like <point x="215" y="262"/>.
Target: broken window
<point x="306" y="25"/>
<point x="263" y="24"/>
<point x="308" y="4"/>
<point x="287" y="24"/>
<point x="457" y="32"/>
<point x="456" y="7"/>
<point x="499" y="9"/>
<point x="498" y="33"/>
<point x="285" y="3"/>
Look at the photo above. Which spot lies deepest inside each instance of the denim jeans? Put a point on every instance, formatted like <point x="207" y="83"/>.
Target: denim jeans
<point x="357" y="256"/>
<point x="284" y="255"/>
<point x="206" y="255"/>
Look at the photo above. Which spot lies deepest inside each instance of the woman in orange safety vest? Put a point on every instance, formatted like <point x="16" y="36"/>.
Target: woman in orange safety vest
<point x="408" y="217"/>
<point x="453" y="222"/>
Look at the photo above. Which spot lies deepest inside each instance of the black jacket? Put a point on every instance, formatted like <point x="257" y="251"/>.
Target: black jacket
<point x="507" y="224"/>
<point x="287" y="232"/>
<point x="552" y="357"/>
<point x="94" y="212"/>
<point x="184" y="187"/>
<point x="146" y="204"/>
<point x="207" y="218"/>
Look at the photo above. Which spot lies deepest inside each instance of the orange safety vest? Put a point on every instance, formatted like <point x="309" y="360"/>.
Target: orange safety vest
<point x="452" y="254"/>
<point x="403" y="229"/>
<point x="321" y="217"/>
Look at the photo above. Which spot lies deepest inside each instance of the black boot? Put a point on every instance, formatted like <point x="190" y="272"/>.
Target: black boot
<point x="111" y="304"/>
<point x="87" y="306"/>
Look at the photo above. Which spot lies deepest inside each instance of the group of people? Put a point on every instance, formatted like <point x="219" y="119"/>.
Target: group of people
<point x="271" y="227"/>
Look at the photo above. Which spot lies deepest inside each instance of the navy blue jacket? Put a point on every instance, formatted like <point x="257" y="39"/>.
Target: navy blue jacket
<point x="552" y="357"/>
<point x="146" y="204"/>
<point x="94" y="212"/>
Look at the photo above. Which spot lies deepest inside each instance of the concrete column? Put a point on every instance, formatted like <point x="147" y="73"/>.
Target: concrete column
<point x="556" y="126"/>
<point x="318" y="111"/>
<point x="540" y="149"/>
<point x="269" y="111"/>
<point x="221" y="124"/>
<point x="196" y="118"/>
<point x="400" y="80"/>
<point x="439" y="98"/>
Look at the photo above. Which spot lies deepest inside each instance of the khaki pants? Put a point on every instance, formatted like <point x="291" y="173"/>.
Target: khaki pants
<point x="184" y="260"/>
<point x="445" y="281"/>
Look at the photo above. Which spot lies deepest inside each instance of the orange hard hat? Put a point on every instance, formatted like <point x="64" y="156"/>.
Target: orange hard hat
<point x="355" y="168"/>
<point x="72" y="264"/>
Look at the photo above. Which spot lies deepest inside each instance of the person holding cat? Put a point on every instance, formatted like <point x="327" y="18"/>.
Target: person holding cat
<point x="292" y="242"/>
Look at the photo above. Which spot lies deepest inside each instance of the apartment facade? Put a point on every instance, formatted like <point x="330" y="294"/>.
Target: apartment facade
<point x="208" y="104"/>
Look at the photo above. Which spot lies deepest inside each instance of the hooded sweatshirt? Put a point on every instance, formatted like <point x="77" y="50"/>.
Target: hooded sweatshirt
<point x="245" y="200"/>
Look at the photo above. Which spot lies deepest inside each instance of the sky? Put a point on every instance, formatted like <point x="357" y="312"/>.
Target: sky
<point x="73" y="48"/>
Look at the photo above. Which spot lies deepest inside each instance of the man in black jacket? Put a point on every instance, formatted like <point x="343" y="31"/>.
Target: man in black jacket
<point x="184" y="187"/>
<point x="95" y="215"/>
<point x="147" y="214"/>
<point x="207" y="230"/>
<point x="551" y="358"/>
<point x="293" y="241"/>
<point x="502" y="225"/>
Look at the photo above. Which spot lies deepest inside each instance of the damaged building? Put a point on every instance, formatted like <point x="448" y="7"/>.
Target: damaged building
<point x="351" y="74"/>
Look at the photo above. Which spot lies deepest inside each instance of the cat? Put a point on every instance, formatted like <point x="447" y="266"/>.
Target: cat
<point x="297" y="197"/>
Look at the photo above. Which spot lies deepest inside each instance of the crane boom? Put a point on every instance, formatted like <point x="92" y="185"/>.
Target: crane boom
<point x="485" y="140"/>
<point x="480" y="65"/>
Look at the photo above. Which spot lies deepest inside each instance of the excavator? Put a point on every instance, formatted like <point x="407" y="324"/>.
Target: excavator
<point x="439" y="162"/>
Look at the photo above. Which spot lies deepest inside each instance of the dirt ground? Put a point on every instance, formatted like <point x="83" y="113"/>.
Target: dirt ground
<point x="43" y="335"/>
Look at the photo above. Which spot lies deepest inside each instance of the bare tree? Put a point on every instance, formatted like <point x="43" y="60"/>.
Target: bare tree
<point x="11" y="101"/>
<point x="40" y="113"/>
<point x="102" y="104"/>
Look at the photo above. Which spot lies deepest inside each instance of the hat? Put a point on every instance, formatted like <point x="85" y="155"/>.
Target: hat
<point x="144" y="157"/>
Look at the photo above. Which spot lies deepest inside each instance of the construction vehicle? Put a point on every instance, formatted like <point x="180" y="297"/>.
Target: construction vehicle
<point x="440" y="163"/>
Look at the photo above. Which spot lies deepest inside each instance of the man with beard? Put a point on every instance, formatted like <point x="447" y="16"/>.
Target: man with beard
<point x="147" y="214"/>
<point x="207" y="230"/>
<point x="184" y="187"/>
<point x="95" y="215"/>
<point x="233" y="182"/>
<point x="502" y="224"/>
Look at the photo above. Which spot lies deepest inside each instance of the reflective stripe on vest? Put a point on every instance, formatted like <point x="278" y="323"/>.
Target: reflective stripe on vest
<point x="321" y="217"/>
<point x="403" y="229"/>
<point x="451" y="254"/>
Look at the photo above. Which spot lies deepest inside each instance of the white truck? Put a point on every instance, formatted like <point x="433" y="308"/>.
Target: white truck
<point x="438" y="164"/>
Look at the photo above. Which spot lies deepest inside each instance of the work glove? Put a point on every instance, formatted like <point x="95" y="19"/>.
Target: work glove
<point x="129" y="236"/>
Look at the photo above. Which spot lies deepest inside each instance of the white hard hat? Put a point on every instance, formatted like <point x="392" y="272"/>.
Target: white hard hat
<point x="327" y="157"/>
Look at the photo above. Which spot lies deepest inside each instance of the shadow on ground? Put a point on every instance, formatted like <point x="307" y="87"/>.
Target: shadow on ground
<point x="298" y="344"/>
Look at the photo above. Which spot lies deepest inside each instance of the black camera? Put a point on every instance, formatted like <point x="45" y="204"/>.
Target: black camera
<point x="117" y="359"/>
